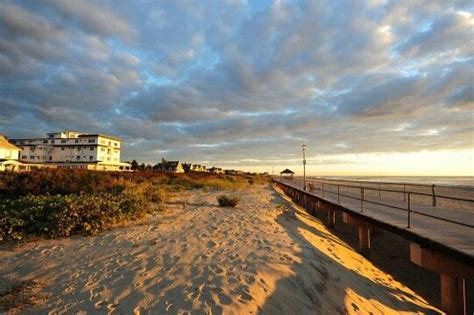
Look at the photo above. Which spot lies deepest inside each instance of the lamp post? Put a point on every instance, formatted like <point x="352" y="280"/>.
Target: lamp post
<point x="304" y="167"/>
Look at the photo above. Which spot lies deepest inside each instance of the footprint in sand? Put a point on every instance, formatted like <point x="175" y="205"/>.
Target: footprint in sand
<point x="355" y="307"/>
<point x="216" y="269"/>
<point x="250" y="280"/>
<point x="101" y="304"/>
<point x="224" y="299"/>
<point x="211" y="244"/>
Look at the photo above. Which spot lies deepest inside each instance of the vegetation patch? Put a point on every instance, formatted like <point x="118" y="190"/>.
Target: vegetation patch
<point x="59" y="203"/>
<point x="228" y="201"/>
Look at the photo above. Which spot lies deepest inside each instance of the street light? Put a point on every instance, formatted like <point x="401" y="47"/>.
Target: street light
<point x="304" y="167"/>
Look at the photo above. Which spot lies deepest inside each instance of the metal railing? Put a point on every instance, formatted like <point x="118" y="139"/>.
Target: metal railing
<point x="408" y="197"/>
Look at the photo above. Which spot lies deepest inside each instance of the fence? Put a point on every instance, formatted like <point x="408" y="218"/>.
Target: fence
<point x="402" y="199"/>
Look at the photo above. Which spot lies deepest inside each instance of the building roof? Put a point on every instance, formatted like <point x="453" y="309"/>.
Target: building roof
<point x="80" y="135"/>
<point x="173" y="164"/>
<point x="99" y="135"/>
<point x="287" y="171"/>
<point x="4" y="143"/>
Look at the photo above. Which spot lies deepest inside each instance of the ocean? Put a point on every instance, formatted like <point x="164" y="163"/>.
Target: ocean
<point x="453" y="181"/>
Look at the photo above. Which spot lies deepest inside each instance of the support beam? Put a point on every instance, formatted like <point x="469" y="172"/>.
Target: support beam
<point x="364" y="240"/>
<point x="364" y="232"/>
<point x="331" y="218"/>
<point x="453" y="295"/>
<point x="452" y="276"/>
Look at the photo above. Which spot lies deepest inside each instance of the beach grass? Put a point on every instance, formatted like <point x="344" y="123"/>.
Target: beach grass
<point x="60" y="203"/>
<point x="228" y="201"/>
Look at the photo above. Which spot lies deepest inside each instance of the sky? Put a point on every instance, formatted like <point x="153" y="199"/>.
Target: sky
<point x="371" y="87"/>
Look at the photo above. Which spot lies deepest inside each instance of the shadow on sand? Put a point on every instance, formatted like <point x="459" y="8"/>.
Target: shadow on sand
<point x="323" y="289"/>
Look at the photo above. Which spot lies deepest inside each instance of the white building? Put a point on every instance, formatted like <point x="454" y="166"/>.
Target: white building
<point x="70" y="149"/>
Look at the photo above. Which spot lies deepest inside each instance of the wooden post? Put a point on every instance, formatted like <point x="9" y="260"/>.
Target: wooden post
<point x="404" y="193"/>
<point x="338" y="202"/>
<point x="452" y="274"/>
<point x="453" y="295"/>
<point x="331" y="218"/>
<point x="362" y="200"/>
<point x="434" y="196"/>
<point x="363" y="229"/>
<point x="379" y="191"/>
<point x="409" y="210"/>
<point x="364" y="240"/>
<point x="322" y="190"/>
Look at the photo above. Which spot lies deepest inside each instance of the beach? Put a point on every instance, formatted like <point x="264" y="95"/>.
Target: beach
<point x="266" y="256"/>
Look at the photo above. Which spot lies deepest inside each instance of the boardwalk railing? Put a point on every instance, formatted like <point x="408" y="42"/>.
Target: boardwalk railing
<point x="438" y="242"/>
<point x="357" y="191"/>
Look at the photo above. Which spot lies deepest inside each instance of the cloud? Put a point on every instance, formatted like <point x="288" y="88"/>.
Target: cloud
<point x="241" y="82"/>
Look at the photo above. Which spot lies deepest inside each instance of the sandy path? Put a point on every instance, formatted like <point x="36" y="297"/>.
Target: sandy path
<point x="266" y="256"/>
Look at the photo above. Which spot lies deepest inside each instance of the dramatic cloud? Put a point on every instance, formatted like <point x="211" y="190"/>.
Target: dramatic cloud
<point x="242" y="82"/>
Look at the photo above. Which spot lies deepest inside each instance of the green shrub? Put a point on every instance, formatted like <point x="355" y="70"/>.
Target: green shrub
<point x="61" y="202"/>
<point x="228" y="201"/>
<point x="60" y="216"/>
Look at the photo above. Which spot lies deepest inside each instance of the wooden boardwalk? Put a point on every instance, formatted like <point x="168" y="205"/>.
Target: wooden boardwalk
<point x="435" y="225"/>
<point x="441" y="235"/>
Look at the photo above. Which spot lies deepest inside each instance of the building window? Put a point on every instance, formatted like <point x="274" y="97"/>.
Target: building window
<point x="92" y="148"/>
<point x="45" y="141"/>
<point x="32" y="157"/>
<point x="62" y="149"/>
<point x="24" y="157"/>
<point x="102" y="149"/>
<point x="50" y="158"/>
<point x="91" y="140"/>
<point x="76" y="141"/>
<point x="78" y="157"/>
<point x="91" y="157"/>
<point x="63" y="141"/>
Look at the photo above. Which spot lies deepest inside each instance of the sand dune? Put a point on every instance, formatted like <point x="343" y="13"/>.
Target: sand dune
<point x="265" y="256"/>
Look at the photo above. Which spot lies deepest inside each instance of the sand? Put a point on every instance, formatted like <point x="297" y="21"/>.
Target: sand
<point x="266" y="256"/>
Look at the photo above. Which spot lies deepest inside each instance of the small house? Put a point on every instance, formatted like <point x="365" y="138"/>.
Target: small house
<point x="170" y="166"/>
<point x="9" y="155"/>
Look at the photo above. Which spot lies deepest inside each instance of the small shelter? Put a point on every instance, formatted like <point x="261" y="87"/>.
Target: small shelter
<point x="287" y="174"/>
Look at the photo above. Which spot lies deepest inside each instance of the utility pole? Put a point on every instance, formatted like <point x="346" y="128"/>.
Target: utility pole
<point x="304" y="167"/>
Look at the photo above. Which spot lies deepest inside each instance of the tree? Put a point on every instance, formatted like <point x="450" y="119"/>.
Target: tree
<point x="134" y="165"/>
